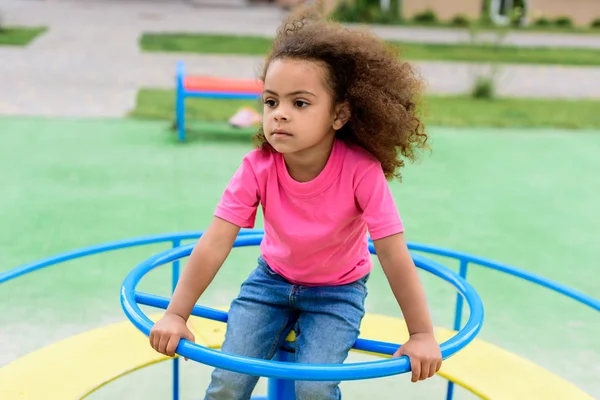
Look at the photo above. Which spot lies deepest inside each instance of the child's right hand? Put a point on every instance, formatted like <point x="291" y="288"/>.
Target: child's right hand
<point x="166" y="333"/>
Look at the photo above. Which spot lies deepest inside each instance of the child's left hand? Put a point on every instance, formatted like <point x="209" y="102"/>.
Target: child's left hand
<point x="424" y="354"/>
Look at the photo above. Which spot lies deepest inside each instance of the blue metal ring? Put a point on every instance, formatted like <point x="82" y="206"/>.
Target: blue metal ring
<point x="293" y="371"/>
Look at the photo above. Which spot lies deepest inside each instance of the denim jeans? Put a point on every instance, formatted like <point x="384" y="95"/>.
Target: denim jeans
<point x="326" y="320"/>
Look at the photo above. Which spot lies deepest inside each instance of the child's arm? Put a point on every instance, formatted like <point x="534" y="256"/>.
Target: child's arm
<point x="208" y="255"/>
<point x="401" y="273"/>
<point x="206" y="259"/>
<point x="238" y="205"/>
<point x="422" y="349"/>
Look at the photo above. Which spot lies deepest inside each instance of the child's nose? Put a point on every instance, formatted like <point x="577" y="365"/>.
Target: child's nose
<point x="280" y="114"/>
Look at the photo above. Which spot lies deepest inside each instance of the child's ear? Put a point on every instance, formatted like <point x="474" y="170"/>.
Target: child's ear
<point x="342" y="115"/>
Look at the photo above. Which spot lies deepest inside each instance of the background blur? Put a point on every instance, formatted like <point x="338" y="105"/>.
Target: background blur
<point x="88" y="154"/>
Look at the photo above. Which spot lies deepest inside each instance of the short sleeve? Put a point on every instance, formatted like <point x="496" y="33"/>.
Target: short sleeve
<point x="375" y="199"/>
<point x="240" y="199"/>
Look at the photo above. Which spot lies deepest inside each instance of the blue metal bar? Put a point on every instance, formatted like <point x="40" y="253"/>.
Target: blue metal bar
<point x="180" y="102"/>
<point x="383" y="348"/>
<point x="507" y="269"/>
<point x="175" y="378"/>
<point x="450" y="390"/>
<point x="175" y="268"/>
<point x="103" y="247"/>
<point x="282" y="370"/>
<point x="221" y="316"/>
<point x="152" y="300"/>
<point x="282" y="389"/>
<point x="174" y="280"/>
<point x="140" y="241"/>
<point x="463" y="269"/>
<point x="221" y="95"/>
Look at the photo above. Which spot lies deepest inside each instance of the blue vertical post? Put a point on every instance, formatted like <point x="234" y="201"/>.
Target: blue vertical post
<point x="180" y="102"/>
<point x="458" y="317"/>
<point x="174" y="279"/>
<point x="282" y="389"/>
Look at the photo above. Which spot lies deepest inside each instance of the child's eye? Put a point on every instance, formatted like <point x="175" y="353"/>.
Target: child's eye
<point x="270" y="102"/>
<point x="300" y="103"/>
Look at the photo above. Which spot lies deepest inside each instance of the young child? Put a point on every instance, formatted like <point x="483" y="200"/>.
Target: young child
<point x="339" y="117"/>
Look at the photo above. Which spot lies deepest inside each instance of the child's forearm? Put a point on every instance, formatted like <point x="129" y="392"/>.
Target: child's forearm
<point x="404" y="281"/>
<point x="195" y="278"/>
<point x="205" y="261"/>
<point x="409" y="293"/>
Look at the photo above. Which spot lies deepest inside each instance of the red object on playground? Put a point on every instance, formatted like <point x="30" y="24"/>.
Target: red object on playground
<point x="225" y="85"/>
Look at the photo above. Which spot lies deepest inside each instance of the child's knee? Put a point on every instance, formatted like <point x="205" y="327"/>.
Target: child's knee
<point x="317" y="390"/>
<point x="230" y="385"/>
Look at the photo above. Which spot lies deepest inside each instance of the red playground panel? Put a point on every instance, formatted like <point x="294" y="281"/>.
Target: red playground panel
<point x="224" y="85"/>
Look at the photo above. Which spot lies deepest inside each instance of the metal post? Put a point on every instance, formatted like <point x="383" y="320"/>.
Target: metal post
<point x="180" y="102"/>
<point x="458" y="317"/>
<point x="174" y="279"/>
<point x="281" y="389"/>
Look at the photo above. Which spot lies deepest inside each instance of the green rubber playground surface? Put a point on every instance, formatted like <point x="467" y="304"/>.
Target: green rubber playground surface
<point x="527" y="198"/>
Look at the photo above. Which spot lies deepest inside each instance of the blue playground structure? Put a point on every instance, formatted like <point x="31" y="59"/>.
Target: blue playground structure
<point x="482" y="368"/>
<point x="208" y="87"/>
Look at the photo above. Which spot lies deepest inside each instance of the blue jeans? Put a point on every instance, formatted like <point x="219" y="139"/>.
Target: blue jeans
<point x="326" y="320"/>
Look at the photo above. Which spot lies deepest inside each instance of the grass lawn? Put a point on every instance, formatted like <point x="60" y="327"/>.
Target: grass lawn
<point x="251" y="45"/>
<point x="453" y="111"/>
<point x="19" y="35"/>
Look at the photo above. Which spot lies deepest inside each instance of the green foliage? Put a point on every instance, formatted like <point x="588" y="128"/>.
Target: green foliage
<point x="426" y="17"/>
<point x="367" y="11"/>
<point x="563" y="22"/>
<point x="484" y="88"/>
<point x="460" y="21"/>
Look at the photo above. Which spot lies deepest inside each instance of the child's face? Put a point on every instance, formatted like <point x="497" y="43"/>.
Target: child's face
<point x="298" y="113"/>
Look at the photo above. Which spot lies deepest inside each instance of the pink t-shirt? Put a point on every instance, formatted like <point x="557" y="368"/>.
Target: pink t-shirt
<point x="315" y="232"/>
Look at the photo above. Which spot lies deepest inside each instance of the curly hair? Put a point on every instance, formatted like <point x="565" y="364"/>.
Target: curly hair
<point x="365" y="72"/>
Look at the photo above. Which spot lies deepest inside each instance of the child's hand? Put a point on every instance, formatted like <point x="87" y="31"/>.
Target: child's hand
<point x="166" y="333"/>
<point x="424" y="353"/>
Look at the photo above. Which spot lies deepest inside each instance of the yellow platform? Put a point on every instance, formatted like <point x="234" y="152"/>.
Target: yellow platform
<point x="101" y="355"/>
